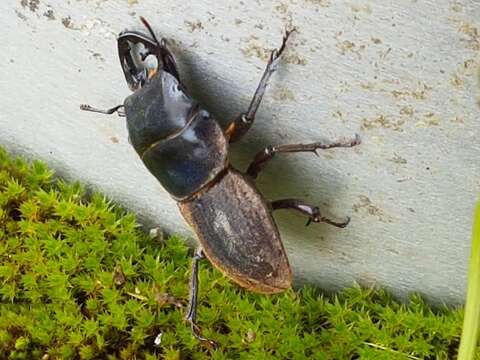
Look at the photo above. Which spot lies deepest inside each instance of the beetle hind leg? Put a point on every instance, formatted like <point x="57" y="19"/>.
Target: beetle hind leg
<point x="244" y="121"/>
<point x="313" y="212"/>
<point x="191" y="316"/>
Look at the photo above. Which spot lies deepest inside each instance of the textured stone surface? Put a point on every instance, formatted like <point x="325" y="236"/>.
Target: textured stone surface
<point x="401" y="73"/>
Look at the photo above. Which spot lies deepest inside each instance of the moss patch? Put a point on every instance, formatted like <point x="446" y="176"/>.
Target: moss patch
<point x="79" y="279"/>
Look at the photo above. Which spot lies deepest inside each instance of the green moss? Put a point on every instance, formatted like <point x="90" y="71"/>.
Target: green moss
<point x="80" y="280"/>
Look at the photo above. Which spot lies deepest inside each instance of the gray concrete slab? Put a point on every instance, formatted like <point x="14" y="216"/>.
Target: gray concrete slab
<point x="400" y="73"/>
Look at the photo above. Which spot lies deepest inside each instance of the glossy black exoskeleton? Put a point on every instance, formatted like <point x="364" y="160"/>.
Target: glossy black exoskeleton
<point x="185" y="148"/>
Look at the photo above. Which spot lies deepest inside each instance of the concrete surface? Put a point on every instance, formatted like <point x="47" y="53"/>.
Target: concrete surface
<point x="400" y="73"/>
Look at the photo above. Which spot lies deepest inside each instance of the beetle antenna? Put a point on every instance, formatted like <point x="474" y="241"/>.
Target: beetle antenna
<point x="147" y="25"/>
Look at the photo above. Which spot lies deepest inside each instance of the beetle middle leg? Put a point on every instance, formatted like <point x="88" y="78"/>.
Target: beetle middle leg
<point x="267" y="154"/>
<point x="313" y="212"/>
<point x="191" y="316"/>
<point x="242" y="123"/>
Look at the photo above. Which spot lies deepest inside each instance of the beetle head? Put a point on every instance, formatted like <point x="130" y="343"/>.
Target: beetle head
<point x="134" y="51"/>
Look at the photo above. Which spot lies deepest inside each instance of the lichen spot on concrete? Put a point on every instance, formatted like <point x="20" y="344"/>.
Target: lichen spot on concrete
<point x="31" y="4"/>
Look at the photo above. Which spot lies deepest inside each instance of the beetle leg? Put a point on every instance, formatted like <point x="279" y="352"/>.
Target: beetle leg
<point x="191" y="316"/>
<point x="313" y="212"/>
<point x="262" y="158"/>
<point x="107" y="111"/>
<point x="242" y="123"/>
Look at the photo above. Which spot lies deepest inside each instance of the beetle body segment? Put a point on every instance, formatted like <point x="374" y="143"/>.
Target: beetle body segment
<point x="234" y="225"/>
<point x="180" y="143"/>
<point x="158" y="110"/>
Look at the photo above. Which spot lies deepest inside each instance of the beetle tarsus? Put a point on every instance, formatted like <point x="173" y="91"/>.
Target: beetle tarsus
<point x="313" y="212"/>
<point x="110" y="111"/>
<point x="245" y="120"/>
<point x="340" y="224"/>
<point x="191" y="316"/>
<point x="197" y="335"/>
<point x="278" y="52"/>
<point x="263" y="157"/>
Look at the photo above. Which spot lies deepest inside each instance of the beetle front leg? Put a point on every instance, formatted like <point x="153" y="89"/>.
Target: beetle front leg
<point x="313" y="212"/>
<point x="267" y="154"/>
<point x="110" y="111"/>
<point x="242" y="123"/>
<point x="191" y="316"/>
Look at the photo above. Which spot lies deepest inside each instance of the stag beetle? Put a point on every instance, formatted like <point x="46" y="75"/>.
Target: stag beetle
<point x="186" y="149"/>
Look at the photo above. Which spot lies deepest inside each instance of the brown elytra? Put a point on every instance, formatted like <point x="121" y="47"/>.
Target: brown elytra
<point x="237" y="233"/>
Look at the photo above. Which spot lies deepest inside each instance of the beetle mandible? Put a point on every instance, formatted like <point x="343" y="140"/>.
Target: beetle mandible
<point x="186" y="149"/>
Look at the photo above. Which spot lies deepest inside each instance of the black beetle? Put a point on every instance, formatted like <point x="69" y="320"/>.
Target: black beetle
<point x="186" y="149"/>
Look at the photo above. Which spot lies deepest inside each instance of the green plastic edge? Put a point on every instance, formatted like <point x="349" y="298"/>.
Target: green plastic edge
<point x="472" y="307"/>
